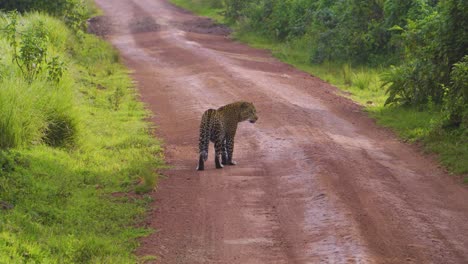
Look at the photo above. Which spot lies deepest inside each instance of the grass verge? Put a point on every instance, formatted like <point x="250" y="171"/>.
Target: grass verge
<point x="74" y="203"/>
<point x="208" y="8"/>
<point x="363" y="85"/>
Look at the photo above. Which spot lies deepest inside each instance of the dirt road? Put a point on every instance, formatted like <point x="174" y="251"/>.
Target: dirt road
<point x="316" y="182"/>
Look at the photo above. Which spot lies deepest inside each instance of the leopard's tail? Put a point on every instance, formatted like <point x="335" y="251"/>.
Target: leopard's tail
<point x="205" y="134"/>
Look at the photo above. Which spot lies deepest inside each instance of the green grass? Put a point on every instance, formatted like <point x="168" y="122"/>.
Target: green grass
<point x="73" y="203"/>
<point x="452" y="147"/>
<point x="410" y="125"/>
<point x="363" y="85"/>
<point x="202" y="8"/>
<point x="424" y="126"/>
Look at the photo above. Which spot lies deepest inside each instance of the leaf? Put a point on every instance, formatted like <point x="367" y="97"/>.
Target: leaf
<point x="396" y="28"/>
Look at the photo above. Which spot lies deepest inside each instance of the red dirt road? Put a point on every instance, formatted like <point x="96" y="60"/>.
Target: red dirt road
<point x="316" y="182"/>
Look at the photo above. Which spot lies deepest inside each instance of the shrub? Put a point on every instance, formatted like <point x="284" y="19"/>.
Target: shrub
<point x="73" y="12"/>
<point x="457" y="102"/>
<point x="434" y="68"/>
<point x="30" y="48"/>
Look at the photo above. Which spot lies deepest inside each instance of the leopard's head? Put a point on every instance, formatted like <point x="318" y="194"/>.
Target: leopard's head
<point x="248" y="112"/>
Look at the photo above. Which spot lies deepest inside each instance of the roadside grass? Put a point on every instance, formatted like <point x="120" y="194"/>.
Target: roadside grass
<point x="74" y="202"/>
<point x="203" y="8"/>
<point x="424" y="126"/>
<point x="363" y="85"/>
<point x="452" y="147"/>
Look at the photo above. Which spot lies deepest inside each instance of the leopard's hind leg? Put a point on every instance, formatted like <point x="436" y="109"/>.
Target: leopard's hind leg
<point x="205" y="134"/>
<point x="218" y="154"/>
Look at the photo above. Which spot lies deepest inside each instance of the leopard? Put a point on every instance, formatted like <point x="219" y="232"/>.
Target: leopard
<point x="219" y="126"/>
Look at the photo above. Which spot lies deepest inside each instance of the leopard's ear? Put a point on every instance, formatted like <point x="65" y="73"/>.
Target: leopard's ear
<point x="244" y="105"/>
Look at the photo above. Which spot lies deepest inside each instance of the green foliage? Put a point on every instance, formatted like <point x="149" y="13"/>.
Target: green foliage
<point x="452" y="146"/>
<point x="53" y="7"/>
<point x="433" y="46"/>
<point x="424" y="126"/>
<point x="63" y="210"/>
<point x="74" y="12"/>
<point x="30" y="51"/>
<point x="347" y="77"/>
<point x="9" y="160"/>
<point x="352" y="30"/>
<point x="116" y="97"/>
<point x="210" y="8"/>
<point x="457" y="99"/>
<point x="68" y="157"/>
<point x="362" y="80"/>
<point x="48" y="115"/>
<point x="409" y="124"/>
<point x="55" y="69"/>
<point x="214" y="3"/>
<point x="22" y="118"/>
<point x="400" y="85"/>
<point x="235" y="8"/>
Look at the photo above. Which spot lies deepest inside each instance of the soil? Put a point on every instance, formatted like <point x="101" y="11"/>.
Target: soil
<point x="317" y="181"/>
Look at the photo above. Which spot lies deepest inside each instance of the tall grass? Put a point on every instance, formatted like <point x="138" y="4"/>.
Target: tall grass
<point x="362" y="80"/>
<point x="347" y="74"/>
<point x="20" y="122"/>
<point x="41" y="110"/>
<point x="70" y="153"/>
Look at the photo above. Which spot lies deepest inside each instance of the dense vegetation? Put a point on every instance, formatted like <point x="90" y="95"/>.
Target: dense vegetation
<point x="73" y="12"/>
<point x="411" y="56"/>
<point x="72" y="143"/>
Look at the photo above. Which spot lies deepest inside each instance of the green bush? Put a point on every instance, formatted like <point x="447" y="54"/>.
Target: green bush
<point x="30" y="46"/>
<point x="457" y="101"/>
<point x="35" y="97"/>
<point x="73" y="12"/>
<point x="56" y="7"/>
<point x="434" y="69"/>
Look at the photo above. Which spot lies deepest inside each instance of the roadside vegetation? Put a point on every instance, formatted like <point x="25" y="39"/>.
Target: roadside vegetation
<point x="406" y="62"/>
<point x="74" y="147"/>
<point x="209" y="8"/>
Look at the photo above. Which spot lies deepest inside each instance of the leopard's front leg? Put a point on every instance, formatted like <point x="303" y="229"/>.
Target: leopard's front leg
<point x="230" y="151"/>
<point x="224" y="153"/>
